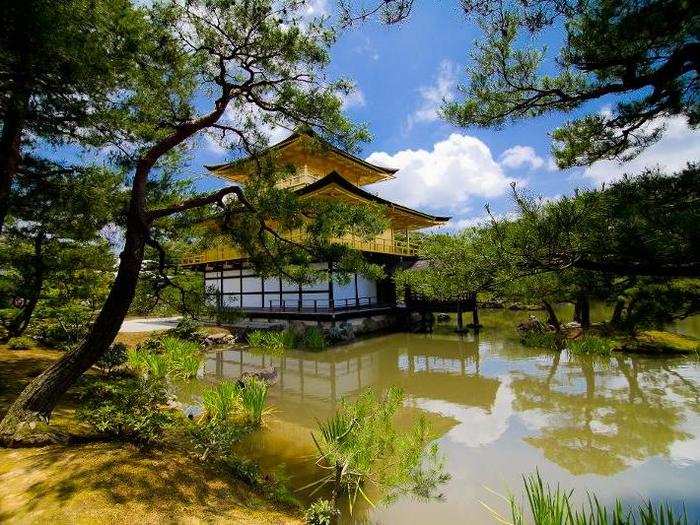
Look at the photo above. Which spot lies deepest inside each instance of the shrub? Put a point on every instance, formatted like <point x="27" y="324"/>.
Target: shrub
<point x="314" y="339"/>
<point x="214" y="439"/>
<point x="362" y="444"/>
<point x="20" y="343"/>
<point x="187" y="328"/>
<point x="321" y="512"/>
<point x="151" y="345"/>
<point x="62" y="327"/>
<point x="127" y="409"/>
<point x="115" y="356"/>
<point x="229" y="316"/>
<point x="591" y="345"/>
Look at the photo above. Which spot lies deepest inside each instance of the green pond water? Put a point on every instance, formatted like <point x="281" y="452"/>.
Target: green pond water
<point x="626" y="427"/>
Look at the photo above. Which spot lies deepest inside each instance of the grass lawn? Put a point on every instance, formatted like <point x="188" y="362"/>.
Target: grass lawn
<point x="111" y="482"/>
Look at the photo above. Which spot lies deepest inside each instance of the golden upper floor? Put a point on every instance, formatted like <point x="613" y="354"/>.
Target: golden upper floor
<point x="313" y="160"/>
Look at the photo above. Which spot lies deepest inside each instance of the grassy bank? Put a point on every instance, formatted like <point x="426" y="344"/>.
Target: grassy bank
<point x="111" y="482"/>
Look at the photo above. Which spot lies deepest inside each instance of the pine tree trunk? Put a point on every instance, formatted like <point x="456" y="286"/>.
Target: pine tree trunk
<point x="20" y="323"/>
<point x="10" y="146"/>
<point x="39" y="398"/>
<point x="585" y="312"/>
<point x="552" y="318"/>
<point x="616" y="319"/>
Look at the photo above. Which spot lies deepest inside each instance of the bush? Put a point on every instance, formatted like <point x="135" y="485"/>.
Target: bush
<point x="222" y="401"/>
<point x="591" y="345"/>
<point x="62" y="327"/>
<point x="20" y="343"/>
<point x="321" y="512"/>
<point x="128" y="409"/>
<point x="187" y="328"/>
<point x="151" y="346"/>
<point x="229" y="316"/>
<point x="115" y="356"/>
<point x="310" y="338"/>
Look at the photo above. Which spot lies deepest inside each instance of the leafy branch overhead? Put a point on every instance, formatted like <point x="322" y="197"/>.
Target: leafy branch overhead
<point x="645" y="54"/>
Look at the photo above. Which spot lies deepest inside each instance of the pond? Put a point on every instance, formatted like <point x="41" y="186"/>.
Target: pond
<point x="626" y="426"/>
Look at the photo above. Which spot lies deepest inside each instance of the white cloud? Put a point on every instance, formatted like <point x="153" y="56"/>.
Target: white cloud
<point x="456" y="170"/>
<point x="476" y="426"/>
<point x="678" y="145"/>
<point x="433" y="96"/>
<point x="355" y="99"/>
<point x="518" y="156"/>
<point x="367" y="49"/>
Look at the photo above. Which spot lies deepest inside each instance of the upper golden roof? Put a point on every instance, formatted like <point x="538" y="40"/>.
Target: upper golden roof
<point x="313" y="158"/>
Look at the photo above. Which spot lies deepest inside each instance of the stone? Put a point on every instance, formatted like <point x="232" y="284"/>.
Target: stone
<point x="219" y="339"/>
<point x="532" y="324"/>
<point x="443" y="318"/>
<point x="267" y="374"/>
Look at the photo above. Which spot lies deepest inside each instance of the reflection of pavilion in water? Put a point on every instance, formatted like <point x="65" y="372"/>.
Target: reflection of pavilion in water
<point x="426" y="371"/>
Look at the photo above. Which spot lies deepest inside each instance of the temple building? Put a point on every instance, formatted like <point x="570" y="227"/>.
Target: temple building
<point x="327" y="173"/>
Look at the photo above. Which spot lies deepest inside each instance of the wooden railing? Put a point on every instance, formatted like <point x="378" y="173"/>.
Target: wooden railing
<point x="378" y="245"/>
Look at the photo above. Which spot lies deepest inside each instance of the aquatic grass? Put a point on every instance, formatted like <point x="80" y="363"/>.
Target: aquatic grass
<point x="183" y="358"/>
<point x="156" y="366"/>
<point x="222" y="401"/>
<point x="136" y="359"/>
<point x="549" y="505"/>
<point x="547" y="340"/>
<point x="314" y="339"/>
<point x="591" y="345"/>
<point x="267" y="340"/>
<point x="253" y="398"/>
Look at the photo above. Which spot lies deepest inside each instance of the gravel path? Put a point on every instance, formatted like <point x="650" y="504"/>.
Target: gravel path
<point x="149" y="324"/>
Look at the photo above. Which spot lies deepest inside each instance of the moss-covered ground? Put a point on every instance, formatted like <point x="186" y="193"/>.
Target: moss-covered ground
<point x="111" y="482"/>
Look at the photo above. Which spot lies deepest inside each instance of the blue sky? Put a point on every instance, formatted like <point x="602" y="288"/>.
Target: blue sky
<point x="403" y="73"/>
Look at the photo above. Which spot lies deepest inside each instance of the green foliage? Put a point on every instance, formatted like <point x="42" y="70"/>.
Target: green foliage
<point x="591" y="345"/>
<point x="230" y="411"/>
<point x="20" y="343"/>
<point x="361" y="444"/>
<point x="321" y="512"/>
<point x="183" y="358"/>
<point x="314" y="339"/>
<point x="547" y="340"/>
<point x="253" y="398"/>
<point x="269" y="339"/>
<point x="187" y="328"/>
<point x="167" y="358"/>
<point x="62" y="326"/>
<point x="129" y="409"/>
<point x="222" y="401"/>
<point x="628" y="50"/>
<point x="116" y="355"/>
<point x="308" y="338"/>
<point x="554" y="506"/>
<point x="455" y="265"/>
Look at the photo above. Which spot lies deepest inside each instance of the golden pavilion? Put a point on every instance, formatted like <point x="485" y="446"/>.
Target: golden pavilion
<point x="330" y="173"/>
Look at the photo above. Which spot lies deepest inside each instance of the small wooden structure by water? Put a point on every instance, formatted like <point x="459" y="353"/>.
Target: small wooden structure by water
<point x="459" y="304"/>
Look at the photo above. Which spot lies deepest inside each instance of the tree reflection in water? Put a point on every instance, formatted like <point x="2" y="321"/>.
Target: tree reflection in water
<point x="592" y="422"/>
